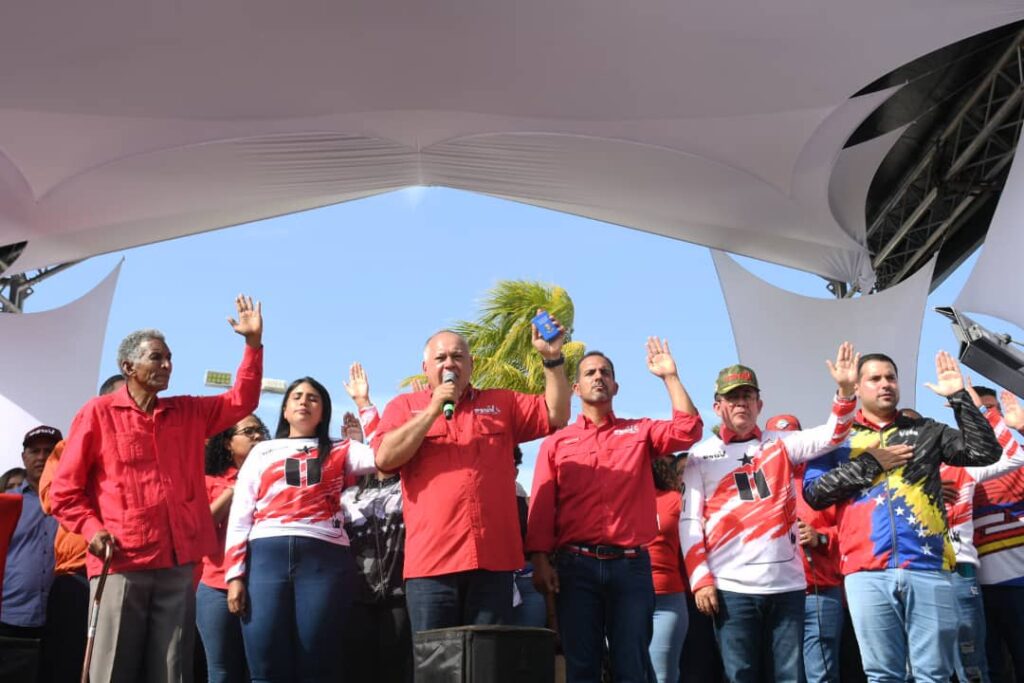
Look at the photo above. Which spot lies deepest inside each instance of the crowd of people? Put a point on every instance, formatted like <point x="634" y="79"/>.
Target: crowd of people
<point x="655" y="551"/>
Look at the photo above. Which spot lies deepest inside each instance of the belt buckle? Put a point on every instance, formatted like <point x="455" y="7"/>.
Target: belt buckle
<point x="607" y="552"/>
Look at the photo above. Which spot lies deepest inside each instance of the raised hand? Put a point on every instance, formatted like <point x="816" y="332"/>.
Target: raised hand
<point x="659" y="358"/>
<point x="250" y="320"/>
<point x="949" y="380"/>
<point x="1013" y="413"/>
<point x="358" y="386"/>
<point x="550" y="350"/>
<point x="844" y="370"/>
<point x="351" y="428"/>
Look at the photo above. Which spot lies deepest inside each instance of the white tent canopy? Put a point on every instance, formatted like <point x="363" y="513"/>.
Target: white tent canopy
<point x="714" y="122"/>
<point x="55" y="368"/>
<point x="997" y="279"/>
<point x="786" y="338"/>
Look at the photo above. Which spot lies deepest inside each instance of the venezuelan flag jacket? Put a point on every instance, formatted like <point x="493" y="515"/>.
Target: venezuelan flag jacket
<point x="897" y="519"/>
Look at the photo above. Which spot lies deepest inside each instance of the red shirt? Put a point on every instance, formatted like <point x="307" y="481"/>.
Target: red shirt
<point x="666" y="557"/>
<point x="458" y="490"/>
<point x="824" y="572"/>
<point x="141" y="477"/>
<point x="213" y="564"/>
<point x="594" y="484"/>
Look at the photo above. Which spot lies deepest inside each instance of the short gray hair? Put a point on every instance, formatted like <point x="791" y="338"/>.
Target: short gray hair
<point x="128" y="350"/>
<point x="426" y="344"/>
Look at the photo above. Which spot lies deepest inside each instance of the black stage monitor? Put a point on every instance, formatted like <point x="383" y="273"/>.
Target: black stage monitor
<point x="986" y="352"/>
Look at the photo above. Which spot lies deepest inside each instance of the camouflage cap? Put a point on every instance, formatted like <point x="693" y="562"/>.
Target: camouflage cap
<point x="733" y="377"/>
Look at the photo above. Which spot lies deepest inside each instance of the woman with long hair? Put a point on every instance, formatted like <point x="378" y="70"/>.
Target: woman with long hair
<point x="290" y="572"/>
<point x="220" y="630"/>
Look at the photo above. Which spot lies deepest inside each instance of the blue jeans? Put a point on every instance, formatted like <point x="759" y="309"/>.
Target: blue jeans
<point x="300" y="596"/>
<point x="971" y="665"/>
<point x="670" y="621"/>
<point x="533" y="610"/>
<point x="901" y="616"/>
<point x="477" y="597"/>
<point x="221" y="632"/>
<point x="823" y="629"/>
<point x="761" y="631"/>
<point x="605" y="598"/>
<point x="1004" y="614"/>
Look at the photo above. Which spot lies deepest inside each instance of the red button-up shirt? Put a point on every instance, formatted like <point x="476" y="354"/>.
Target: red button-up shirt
<point x="458" y="490"/>
<point x="593" y="484"/>
<point x="666" y="557"/>
<point x="214" y="564"/>
<point x="141" y="476"/>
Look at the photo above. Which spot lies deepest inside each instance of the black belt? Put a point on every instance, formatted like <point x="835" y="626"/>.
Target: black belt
<point x="603" y="552"/>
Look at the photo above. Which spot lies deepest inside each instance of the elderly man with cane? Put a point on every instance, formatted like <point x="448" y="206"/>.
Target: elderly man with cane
<point x="131" y="480"/>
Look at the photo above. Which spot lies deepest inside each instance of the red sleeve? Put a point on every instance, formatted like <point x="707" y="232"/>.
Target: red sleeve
<point x="530" y="419"/>
<point x="540" y="521"/>
<point x="396" y="414"/>
<point x="677" y="434"/>
<point x="68" y="500"/>
<point x="240" y="400"/>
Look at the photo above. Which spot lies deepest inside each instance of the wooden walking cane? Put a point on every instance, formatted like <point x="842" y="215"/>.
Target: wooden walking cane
<point x="94" y="610"/>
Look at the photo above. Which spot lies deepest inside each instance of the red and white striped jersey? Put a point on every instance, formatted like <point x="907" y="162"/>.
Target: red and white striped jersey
<point x="961" y="513"/>
<point x="738" y="524"/>
<point x="282" y="490"/>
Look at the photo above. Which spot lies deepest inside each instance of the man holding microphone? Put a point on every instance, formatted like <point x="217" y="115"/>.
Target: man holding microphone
<point x="458" y="480"/>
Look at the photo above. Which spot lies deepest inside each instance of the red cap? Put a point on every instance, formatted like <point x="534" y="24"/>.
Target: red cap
<point x="783" y="423"/>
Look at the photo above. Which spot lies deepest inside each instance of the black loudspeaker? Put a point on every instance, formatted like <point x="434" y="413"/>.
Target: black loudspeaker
<point x="485" y="654"/>
<point x="987" y="353"/>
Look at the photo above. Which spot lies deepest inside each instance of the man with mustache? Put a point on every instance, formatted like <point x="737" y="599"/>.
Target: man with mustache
<point x="893" y="537"/>
<point x="593" y="507"/>
<point x="131" y="482"/>
<point x="739" y="526"/>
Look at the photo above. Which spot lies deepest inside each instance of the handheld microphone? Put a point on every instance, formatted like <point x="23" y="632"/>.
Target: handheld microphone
<point x="449" y="406"/>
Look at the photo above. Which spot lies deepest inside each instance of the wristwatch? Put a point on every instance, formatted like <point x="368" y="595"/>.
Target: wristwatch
<point x="553" y="363"/>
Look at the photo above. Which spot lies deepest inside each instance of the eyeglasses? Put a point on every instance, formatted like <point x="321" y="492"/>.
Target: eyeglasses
<point x="250" y="432"/>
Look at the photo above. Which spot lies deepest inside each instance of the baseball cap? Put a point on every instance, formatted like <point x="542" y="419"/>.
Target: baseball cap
<point x="733" y="377"/>
<point x="42" y="433"/>
<point x="783" y="423"/>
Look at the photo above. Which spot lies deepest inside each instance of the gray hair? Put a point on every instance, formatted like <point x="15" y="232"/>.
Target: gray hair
<point x="426" y="344"/>
<point x="130" y="346"/>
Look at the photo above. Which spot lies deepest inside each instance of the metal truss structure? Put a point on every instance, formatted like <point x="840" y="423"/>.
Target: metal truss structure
<point x="14" y="289"/>
<point x="944" y="200"/>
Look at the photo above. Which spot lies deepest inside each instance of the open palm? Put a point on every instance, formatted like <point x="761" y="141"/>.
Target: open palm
<point x="949" y="379"/>
<point x="250" y="317"/>
<point x="1013" y="413"/>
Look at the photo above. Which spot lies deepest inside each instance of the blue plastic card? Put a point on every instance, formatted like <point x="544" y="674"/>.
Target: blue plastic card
<point x="545" y="326"/>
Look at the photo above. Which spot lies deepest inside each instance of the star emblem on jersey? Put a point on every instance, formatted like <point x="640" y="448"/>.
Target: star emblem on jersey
<point x="746" y="459"/>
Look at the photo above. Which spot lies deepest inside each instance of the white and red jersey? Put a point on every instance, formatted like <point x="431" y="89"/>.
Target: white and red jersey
<point x="284" y="490"/>
<point x="738" y="521"/>
<point x="961" y="513"/>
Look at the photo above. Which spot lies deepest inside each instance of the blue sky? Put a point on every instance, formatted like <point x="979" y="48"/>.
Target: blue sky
<point x="369" y="280"/>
